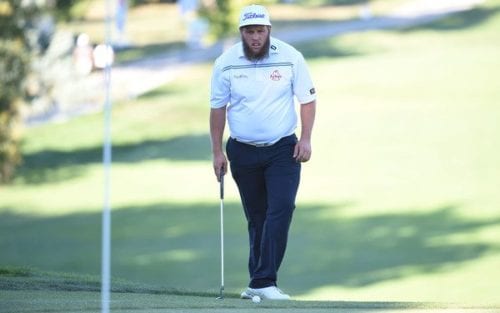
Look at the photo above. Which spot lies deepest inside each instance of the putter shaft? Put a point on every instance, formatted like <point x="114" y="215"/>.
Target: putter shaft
<point x="221" y="178"/>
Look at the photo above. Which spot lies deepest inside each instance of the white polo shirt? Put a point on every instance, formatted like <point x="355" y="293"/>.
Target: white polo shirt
<point x="260" y="95"/>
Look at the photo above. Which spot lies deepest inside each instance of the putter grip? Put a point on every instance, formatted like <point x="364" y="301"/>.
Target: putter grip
<point x="221" y="185"/>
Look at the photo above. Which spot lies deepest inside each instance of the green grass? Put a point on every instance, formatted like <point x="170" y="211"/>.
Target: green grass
<point x="398" y="205"/>
<point x="37" y="291"/>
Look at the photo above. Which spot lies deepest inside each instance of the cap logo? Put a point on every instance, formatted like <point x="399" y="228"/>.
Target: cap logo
<point x="251" y="15"/>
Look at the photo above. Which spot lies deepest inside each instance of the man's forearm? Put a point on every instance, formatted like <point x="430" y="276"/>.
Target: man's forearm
<point x="217" y="125"/>
<point x="307" y="116"/>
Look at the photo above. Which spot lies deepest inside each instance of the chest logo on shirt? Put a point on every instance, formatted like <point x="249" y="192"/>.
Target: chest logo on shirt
<point x="275" y="75"/>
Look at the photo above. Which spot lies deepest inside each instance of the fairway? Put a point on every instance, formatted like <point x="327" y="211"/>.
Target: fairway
<point x="398" y="209"/>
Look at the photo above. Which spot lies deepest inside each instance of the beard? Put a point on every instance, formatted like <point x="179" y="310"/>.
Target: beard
<point x="262" y="54"/>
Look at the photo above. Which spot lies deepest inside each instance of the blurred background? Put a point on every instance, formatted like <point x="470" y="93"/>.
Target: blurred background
<point x="400" y="201"/>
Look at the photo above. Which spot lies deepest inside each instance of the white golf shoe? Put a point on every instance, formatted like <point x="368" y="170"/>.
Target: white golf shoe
<point x="269" y="293"/>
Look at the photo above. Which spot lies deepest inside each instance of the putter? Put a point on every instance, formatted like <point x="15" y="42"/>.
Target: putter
<point x="221" y="179"/>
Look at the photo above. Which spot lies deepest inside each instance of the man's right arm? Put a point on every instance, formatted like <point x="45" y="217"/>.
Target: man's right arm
<point x="217" y="125"/>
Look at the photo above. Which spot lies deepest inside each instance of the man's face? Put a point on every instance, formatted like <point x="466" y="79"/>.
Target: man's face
<point x="256" y="41"/>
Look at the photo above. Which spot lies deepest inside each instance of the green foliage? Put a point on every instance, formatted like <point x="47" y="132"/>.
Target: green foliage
<point x="222" y="16"/>
<point x="63" y="8"/>
<point x="14" y="66"/>
<point x="68" y="10"/>
<point x="14" y="19"/>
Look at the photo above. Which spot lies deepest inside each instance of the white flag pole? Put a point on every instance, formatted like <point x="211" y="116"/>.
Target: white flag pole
<point x="106" y="213"/>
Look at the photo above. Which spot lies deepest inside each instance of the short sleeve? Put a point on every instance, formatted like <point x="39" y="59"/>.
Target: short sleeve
<point x="303" y="87"/>
<point x="220" y="87"/>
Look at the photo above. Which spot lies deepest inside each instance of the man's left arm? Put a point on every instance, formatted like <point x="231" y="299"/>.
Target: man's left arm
<point x="303" y="150"/>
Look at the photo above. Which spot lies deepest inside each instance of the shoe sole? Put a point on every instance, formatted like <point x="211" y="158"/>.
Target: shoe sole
<point x="248" y="295"/>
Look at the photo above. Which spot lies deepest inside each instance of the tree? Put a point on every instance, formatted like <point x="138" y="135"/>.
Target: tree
<point x="14" y="66"/>
<point x="222" y="16"/>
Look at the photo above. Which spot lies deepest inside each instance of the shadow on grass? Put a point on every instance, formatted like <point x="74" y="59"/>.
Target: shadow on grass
<point x="177" y="245"/>
<point x="368" y="250"/>
<point x="57" y="165"/>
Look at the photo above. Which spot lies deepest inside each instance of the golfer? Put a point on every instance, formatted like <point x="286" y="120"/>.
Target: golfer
<point x="254" y="85"/>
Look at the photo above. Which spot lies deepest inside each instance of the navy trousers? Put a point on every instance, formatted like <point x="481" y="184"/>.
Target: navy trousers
<point x="268" y="180"/>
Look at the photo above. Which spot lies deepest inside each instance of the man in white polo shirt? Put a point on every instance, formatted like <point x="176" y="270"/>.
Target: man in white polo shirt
<point x="254" y="85"/>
